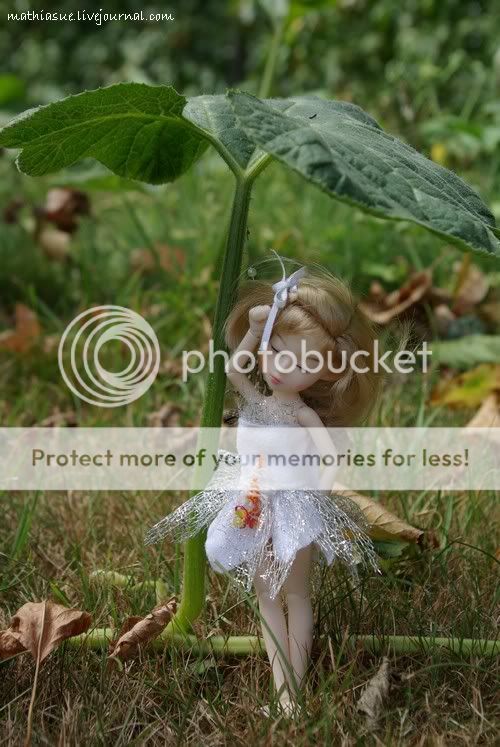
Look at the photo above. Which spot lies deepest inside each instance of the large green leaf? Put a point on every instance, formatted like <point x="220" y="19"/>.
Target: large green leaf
<point x="135" y="130"/>
<point x="338" y="147"/>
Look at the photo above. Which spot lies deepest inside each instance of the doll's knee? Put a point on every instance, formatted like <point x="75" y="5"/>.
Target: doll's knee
<point x="298" y="598"/>
<point x="298" y="586"/>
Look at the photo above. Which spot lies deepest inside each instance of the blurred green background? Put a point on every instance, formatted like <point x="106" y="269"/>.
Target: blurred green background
<point x="429" y="71"/>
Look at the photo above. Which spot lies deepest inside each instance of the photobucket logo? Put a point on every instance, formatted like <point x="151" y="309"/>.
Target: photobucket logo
<point x="81" y="350"/>
<point x="311" y="361"/>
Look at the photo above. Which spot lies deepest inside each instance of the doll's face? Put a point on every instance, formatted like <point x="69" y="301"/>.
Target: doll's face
<point x="291" y="363"/>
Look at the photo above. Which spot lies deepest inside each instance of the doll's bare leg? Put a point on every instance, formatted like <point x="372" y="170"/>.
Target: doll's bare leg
<point x="300" y="614"/>
<point x="274" y="632"/>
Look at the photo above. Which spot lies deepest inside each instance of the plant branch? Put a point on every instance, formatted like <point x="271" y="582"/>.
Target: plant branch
<point x="242" y="645"/>
<point x="193" y="595"/>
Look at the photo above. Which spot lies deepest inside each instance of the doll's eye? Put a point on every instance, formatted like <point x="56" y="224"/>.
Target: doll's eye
<point x="275" y="350"/>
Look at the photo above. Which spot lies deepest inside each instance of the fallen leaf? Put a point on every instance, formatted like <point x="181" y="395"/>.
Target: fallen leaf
<point x="39" y="627"/>
<point x="9" y="645"/>
<point x="11" y="210"/>
<point x="166" y="416"/>
<point x="488" y="415"/>
<point x="385" y="308"/>
<point x="490" y="312"/>
<point x="373" y="697"/>
<point x="25" y="333"/>
<point x="59" y="419"/>
<point x="139" y="632"/>
<point x="170" y="258"/>
<point x="63" y="208"/>
<point x="443" y="317"/>
<point x="430" y="540"/>
<point x="471" y="287"/>
<point x="383" y="524"/>
<point x="171" y="367"/>
<point x="469" y="389"/>
<point x="50" y="343"/>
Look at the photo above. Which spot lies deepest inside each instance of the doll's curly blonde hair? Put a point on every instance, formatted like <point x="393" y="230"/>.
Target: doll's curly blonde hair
<point x="324" y="306"/>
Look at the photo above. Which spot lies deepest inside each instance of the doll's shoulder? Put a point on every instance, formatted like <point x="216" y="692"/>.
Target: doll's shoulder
<point x="308" y="417"/>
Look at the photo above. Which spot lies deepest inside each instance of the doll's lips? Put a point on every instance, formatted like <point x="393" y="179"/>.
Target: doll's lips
<point x="275" y="380"/>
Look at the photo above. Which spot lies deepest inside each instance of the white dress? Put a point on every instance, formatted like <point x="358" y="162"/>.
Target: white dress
<point x="260" y="529"/>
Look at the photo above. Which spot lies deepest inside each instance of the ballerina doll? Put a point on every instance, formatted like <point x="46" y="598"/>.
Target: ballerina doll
<point x="261" y="530"/>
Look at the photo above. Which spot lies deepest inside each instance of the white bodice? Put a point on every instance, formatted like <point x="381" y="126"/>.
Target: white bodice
<point x="272" y="447"/>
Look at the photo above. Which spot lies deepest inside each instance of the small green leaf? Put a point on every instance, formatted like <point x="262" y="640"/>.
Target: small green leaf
<point x="136" y="130"/>
<point x="390" y="549"/>
<point x="338" y="147"/>
<point x="467" y="351"/>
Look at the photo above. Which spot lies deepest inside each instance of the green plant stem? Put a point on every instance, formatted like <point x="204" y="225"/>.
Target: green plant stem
<point x="193" y="594"/>
<point x="243" y="645"/>
<point x="266" y="83"/>
<point x="404" y="644"/>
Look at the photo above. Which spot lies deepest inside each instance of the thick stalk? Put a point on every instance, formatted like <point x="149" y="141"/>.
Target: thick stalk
<point x="193" y="593"/>
<point x="244" y="645"/>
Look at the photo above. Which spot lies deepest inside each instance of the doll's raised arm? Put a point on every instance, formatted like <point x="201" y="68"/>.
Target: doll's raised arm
<point x="246" y="349"/>
<point x="309" y="419"/>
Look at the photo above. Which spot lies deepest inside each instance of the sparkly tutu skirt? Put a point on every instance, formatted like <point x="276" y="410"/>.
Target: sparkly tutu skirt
<point x="253" y="531"/>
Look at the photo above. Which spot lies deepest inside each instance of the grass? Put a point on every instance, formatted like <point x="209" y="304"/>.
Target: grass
<point x="50" y="543"/>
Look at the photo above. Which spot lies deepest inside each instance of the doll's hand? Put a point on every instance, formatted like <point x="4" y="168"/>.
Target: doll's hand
<point x="257" y="318"/>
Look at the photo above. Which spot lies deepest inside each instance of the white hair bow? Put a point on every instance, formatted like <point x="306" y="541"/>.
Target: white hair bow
<point x="281" y="290"/>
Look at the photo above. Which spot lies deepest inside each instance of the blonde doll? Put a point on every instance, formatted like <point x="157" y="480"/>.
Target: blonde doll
<point x="258" y="531"/>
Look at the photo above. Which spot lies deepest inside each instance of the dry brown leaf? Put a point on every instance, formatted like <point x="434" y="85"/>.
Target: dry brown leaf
<point x="171" y="367"/>
<point x="167" y="415"/>
<point x="42" y="626"/>
<point x="63" y="206"/>
<point x="50" y="343"/>
<point x="383" y="309"/>
<point x="468" y="389"/>
<point x="9" y="645"/>
<point x="170" y="258"/>
<point x="490" y="311"/>
<point x="59" y="419"/>
<point x="383" y="524"/>
<point x="443" y="317"/>
<point x="139" y="632"/>
<point x="25" y="333"/>
<point x="488" y="415"/>
<point x="472" y="288"/>
<point x="373" y="697"/>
